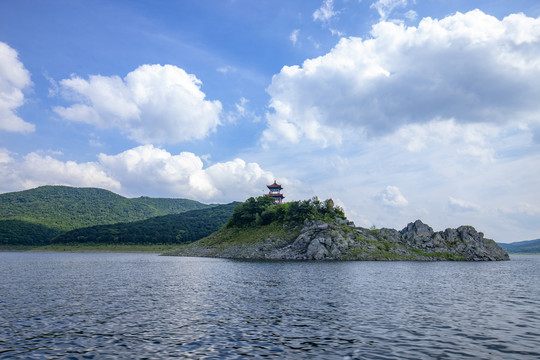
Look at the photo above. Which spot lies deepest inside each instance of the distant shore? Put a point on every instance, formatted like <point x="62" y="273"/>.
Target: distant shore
<point x="109" y="248"/>
<point x="94" y="248"/>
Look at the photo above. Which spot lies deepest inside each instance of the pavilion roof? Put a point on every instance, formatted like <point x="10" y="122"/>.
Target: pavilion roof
<point x="274" y="185"/>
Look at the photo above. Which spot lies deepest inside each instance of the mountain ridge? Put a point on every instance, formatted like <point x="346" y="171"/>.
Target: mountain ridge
<point x="522" y="247"/>
<point x="56" y="209"/>
<point x="167" y="229"/>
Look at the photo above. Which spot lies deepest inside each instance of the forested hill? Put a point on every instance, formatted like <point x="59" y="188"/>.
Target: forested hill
<point x="65" y="208"/>
<point x="167" y="206"/>
<point x="523" y="247"/>
<point x="34" y="217"/>
<point x="169" y="229"/>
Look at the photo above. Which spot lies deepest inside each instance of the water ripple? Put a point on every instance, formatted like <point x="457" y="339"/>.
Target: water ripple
<point x="96" y="306"/>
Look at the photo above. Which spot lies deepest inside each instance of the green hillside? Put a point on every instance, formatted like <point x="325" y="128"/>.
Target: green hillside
<point x="167" y="206"/>
<point x="65" y="208"/>
<point x="46" y="211"/>
<point x="178" y="228"/>
<point x="523" y="247"/>
<point x="18" y="232"/>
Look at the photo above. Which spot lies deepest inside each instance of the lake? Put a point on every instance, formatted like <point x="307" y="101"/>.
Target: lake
<point x="144" y="306"/>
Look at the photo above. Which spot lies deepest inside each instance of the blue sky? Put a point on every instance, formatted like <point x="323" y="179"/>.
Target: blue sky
<point x="397" y="109"/>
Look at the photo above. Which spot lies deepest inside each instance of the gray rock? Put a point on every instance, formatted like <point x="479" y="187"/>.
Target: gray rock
<point x="318" y="240"/>
<point x="316" y="250"/>
<point x="322" y="227"/>
<point x="417" y="231"/>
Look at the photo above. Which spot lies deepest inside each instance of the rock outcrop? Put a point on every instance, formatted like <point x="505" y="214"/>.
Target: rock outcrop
<point x="341" y="240"/>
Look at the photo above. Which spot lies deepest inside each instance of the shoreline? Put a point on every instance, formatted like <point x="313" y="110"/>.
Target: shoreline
<point x="93" y="248"/>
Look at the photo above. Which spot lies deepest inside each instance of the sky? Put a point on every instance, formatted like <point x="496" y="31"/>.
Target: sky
<point x="396" y="109"/>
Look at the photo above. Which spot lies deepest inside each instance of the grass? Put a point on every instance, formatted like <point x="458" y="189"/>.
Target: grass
<point x="105" y="248"/>
<point x="239" y="242"/>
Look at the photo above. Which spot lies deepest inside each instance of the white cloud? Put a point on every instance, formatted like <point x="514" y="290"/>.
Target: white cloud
<point x="242" y="111"/>
<point x="147" y="168"/>
<point x="14" y="78"/>
<point x="462" y="205"/>
<point x="143" y="170"/>
<point x="5" y="156"/>
<point x="471" y="67"/>
<point x="521" y="209"/>
<point x="522" y="216"/>
<point x="326" y="12"/>
<point x="35" y="169"/>
<point x="337" y="32"/>
<point x="153" y="103"/>
<point x="294" y="36"/>
<point x="411" y="15"/>
<point x="385" y="7"/>
<point x="427" y="163"/>
<point x="467" y="139"/>
<point x="153" y="171"/>
<point x="391" y="196"/>
<point x="226" y="69"/>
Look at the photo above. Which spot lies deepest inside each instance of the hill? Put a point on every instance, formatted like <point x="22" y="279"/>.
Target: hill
<point x="166" y="206"/>
<point x="19" y="232"/>
<point x="523" y="247"/>
<point x="169" y="229"/>
<point x="34" y="217"/>
<point x="315" y="230"/>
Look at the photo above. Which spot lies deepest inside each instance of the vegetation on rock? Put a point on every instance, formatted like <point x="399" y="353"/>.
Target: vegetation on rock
<point x="316" y="230"/>
<point x="264" y="211"/>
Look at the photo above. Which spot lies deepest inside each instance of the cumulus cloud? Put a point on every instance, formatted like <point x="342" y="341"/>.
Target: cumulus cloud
<point x="149" y="169"/>
<point x="14" y="78"/>
<point x="143" y="170"/>
<point x="391" y="196"/>
<point x="326" y="12"/>
<point x="472" y="68"/>
<point x="153" y="103"/>
<point x="35" y="169"/>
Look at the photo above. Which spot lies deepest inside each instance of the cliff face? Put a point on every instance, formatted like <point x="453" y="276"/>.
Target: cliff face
<point x="341" y="240"/>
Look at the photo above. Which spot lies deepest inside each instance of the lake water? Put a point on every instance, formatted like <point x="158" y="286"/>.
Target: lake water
<point x="137" y="306"/>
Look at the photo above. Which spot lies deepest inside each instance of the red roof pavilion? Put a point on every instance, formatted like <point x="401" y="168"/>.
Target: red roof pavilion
<point x="275" y="192"/>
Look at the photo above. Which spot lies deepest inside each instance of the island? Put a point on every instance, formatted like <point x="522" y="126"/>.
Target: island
<point x="263" y="228"/>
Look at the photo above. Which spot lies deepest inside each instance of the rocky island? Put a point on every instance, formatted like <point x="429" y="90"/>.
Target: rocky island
<point x="318" y="230"/>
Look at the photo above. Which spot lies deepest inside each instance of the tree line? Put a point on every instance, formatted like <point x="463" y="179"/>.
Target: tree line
<point x="263" y="211"/>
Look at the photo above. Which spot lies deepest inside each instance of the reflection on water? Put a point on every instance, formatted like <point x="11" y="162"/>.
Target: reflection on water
<point x="59" y="305"/>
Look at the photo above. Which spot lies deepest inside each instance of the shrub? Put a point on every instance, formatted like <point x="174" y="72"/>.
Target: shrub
<point x="264" y="211"/>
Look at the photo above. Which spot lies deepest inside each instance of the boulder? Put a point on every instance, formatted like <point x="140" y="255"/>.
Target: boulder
<point x="417" y="231"/>
<point x="316" y="250"/>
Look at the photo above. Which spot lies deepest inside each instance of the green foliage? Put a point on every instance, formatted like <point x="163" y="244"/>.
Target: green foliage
<point x="66" y="208"/>
<point x="239" y="242"/>
<point x="522" y="247"/>
<point x="18" y="232"/>
<point x="166" y="206"/>
<point x="37" y="215"/>
<point x="263" y="211"/>
<point x="169" y="229"/>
